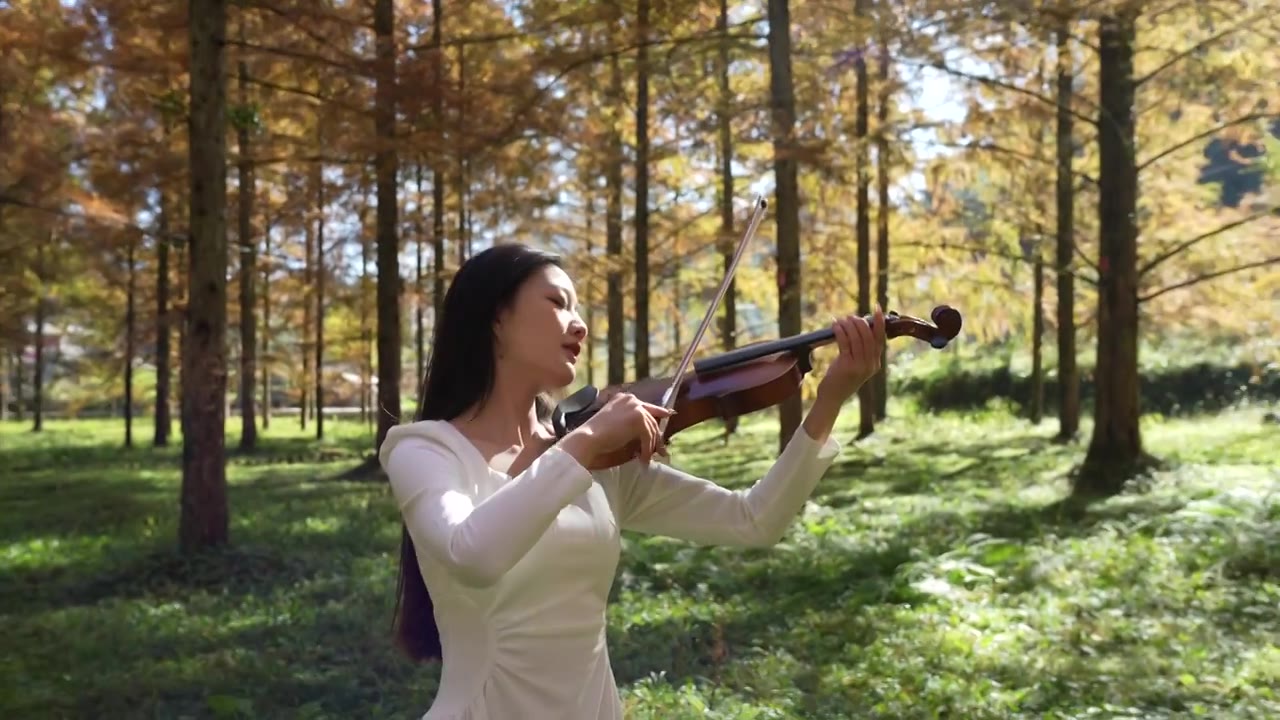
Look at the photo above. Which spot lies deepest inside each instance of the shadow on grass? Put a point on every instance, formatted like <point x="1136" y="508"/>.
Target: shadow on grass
<point x="284" y="531"/>
<point x="102" y="456"/>
<point x="815" y="601"/>
<point x="58" y="506"/>
<point x="822" y="600"/>
<point x="327" y="653"/>
<point x="113" y="457"/>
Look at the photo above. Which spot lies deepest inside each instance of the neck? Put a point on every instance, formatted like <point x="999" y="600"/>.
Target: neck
<point x="801" y="343"/>
<point x="509" y="415"/>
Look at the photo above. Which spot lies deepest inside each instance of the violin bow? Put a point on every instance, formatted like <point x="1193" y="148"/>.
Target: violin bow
<point x="673" y="391"/>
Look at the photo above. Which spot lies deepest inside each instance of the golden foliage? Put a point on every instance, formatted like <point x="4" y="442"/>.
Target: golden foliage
<point x="510" y="115"/>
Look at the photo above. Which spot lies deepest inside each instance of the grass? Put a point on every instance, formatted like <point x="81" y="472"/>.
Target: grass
<point x="932" y="576"/>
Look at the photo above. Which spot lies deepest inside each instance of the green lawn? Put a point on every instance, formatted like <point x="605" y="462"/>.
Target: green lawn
<point x="931" y="577"/>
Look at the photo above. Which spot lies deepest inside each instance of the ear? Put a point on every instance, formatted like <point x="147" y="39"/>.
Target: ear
<point x="500" y="319"/>
<point x="499" y="331"/>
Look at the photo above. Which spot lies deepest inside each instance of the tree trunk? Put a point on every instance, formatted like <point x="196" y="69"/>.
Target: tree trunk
<point x="882" y="222"/>
<point x="1036" y="404"/>
<point x="204" y="517"/>
<point x="321" y="272"/>
<point x="5" y="372"/>
<point x="589" y="290"/>
<point x="164" y="352"/>
<point x="419" y="288"/>
<point x="867" y="393"/>
<point x="19" y="372"/>
<point x="42" y="307"/>
<point x="388" y="242"/>
<point x="437" y="176"/>
<point x="248" y="270"/>
<point x="1068" y="375"/>
<point x="266" y="321"/>
<point x="782" y="95"/>
<point x="613" y="229"/>
<point x="464" y="243"/>
<point x="728" y="239"/>
<point x="641" y="293"/>
<point x="182" y="261"/>
<point x="130" y="337"/>
<point x="1115" y="450"/>
<point x="308" y="321"/>
<point x="366" y="330"/>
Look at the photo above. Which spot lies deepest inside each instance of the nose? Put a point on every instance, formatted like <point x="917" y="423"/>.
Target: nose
<point x="577" y="328"/>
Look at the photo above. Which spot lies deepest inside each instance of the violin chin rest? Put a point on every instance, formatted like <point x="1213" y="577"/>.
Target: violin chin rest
<point x="562" y="415"/>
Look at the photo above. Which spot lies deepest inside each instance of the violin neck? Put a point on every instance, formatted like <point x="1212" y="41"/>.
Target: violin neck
<point x="802" y="345"/>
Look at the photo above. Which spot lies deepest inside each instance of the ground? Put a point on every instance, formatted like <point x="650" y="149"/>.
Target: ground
<point x="932" y="576"/>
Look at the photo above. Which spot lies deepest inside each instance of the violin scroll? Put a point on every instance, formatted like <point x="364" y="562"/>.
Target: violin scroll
<point x="944" y="328"/>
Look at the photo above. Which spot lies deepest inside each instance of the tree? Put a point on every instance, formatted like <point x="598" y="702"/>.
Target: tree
<point x="389" y="334"/>
<point x="1115" y="448"/>
<point x="204" y="517"/>
<point x="787" y="193"/>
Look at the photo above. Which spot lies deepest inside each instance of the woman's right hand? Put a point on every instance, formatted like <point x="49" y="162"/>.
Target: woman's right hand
<point x="623" y="419"/>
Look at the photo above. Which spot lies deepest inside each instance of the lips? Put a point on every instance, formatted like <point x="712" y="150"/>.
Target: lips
<point x="573" y="349"/>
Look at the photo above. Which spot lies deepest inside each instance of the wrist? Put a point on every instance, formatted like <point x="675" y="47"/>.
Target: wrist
<point x="821" y="419"/>
<point x="580" y="444"/>
<point x="835" y="392"/>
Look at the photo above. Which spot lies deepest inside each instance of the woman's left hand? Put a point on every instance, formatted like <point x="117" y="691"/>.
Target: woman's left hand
<point x="860" y="344"/>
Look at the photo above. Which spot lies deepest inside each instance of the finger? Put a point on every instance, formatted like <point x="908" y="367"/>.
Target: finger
<point x="655" y="438"/>
<point x="855" y="325"/>
<point x="656" y="410"/>
<point x="646" y="438"/>
<point x="657" y="444"/>
<point x="880" y="327"/>
<point x="865" y="342"/>
<point x="872" y="347"/>
<point x="843" y="339"/>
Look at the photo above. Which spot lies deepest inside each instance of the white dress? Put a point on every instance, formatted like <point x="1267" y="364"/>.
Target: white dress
<point x="520" y="568"/>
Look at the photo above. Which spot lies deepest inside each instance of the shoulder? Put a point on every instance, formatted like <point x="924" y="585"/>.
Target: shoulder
<point x="428" y="435"/>
<point x="423" y="452"/>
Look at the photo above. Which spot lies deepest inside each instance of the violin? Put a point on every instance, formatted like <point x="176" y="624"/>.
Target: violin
<point x="738" y="382"/>
<point x="741" y="381"/>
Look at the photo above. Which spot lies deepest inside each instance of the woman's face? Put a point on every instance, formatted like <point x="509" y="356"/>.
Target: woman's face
<point x="540" y="336"/>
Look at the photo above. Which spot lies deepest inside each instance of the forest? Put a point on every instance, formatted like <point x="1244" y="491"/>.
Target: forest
<point x="227" y="228"/>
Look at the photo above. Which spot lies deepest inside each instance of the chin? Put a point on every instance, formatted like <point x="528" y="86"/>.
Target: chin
<point x="565" y="379"/>
<point x="561" y="377"/>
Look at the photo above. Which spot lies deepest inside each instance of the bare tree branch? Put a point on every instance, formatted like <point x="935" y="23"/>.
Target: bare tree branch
<point x="98" y="218"/>
<point x="1178" y="57"/>
<point x="997" y="83"/>
<point x="313" y="158"/>
<point x="1001" y="149"/>
<point x="299" y="55"/>
<point x="1202" y="135"/>
<point x="966" y="247"/>
<point x="1207" y="277"/>
<point x="309" y="94"/>
<point x="489" y="39"/>
<point x="1187" y="244"/>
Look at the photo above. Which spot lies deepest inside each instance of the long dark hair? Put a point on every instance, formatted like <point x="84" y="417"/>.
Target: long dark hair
<point x="459" y="375"/>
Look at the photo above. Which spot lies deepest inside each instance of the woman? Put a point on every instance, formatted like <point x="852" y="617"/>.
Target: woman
<point x="510" y="538"/>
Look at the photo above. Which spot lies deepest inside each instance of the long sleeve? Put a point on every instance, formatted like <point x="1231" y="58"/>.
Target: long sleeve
<point x="662" y="500"/>
<point x="477" y="539"/>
